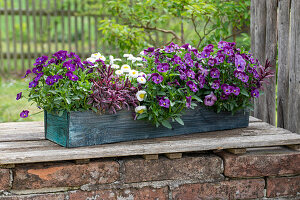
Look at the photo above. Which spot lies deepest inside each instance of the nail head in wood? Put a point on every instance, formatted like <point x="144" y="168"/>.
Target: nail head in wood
<point x="150" y="157"/>
<point x="294" y="147"/>
<point x="173" y="155"/>
<point x="237" y="151"/>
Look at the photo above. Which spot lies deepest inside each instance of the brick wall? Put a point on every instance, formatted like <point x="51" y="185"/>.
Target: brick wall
<point x="259" y="174"/>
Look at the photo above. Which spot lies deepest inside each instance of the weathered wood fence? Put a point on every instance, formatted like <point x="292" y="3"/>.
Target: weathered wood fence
<point x="275" y="31"/>
<point x="29" y="28"/>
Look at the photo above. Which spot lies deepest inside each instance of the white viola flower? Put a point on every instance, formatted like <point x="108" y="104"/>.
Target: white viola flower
<point x="134" y="73"/>
<point x="111" y="60"/>
<point x="102" y="58"/>
<point x="126" y="68"/>
<point x="91" y="59"/>
<point x="142" y="53"/>
<point x="114" y="66"/>
<point x="139" y="64"/>
<point x="141" y="95"/>
<point x="140" y="109"/>
<point x="141" y="80"/>
<point x="119" y="72"/>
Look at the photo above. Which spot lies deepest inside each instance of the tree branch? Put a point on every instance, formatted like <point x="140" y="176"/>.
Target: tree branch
<point x="236" y="33"/>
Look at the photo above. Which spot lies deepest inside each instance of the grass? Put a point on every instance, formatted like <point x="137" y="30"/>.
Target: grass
<point x="10" y="108"/>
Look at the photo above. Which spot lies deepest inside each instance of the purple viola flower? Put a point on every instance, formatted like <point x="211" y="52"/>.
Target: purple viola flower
<point x="209" y="48"/>
<point x="244" y="78"/>
<point x="185" y="46"/>
<point x="78" y="62"/>
<point x="50" y="80"/>
<point x="182" y="75"/>
<point x="228" y="51"/>
<point x="156" y="78"/>
<point x="214" y="73"/>
<point x="201" y="83"/>
<point x="71" y="54"/>
<point x="163" y="67"/>
<point x="230" y="59"/>
<point x="19" y="95"/>
<point x="249" y="69"/>
<point x="211" y="61"/>
<point x="33" y="84"/>
<point x="73" y="78"/>
<point x="222" y="44"/>
<point x="69" y="65"/>
<point x="210" y="99"/>
<point x="227" y="89"/>
<point x="223" y="96"/>
<point x="255" y="93"/>
<point x="28" y="71"/>
<point x="61" y="55"/>
<point x="237" y="74"/>
<point x="38" y="76"/>
<point x="240" y="63"/>
<point x="192" y="86"/>
<point x="190" y="74"/>
<point x="187" y="56"/>
<point x="236" y="90"/>
<point x="220" y="59"/>
<point x="216" y="84"/>
<point x="169" y="49"/>
<point x="40" y="60"/>
<point x="38" y="69"/>
<point x="24" y="114"/>
<point x="57" y="77"/>
<point x="189" y="62"/>
<point x="69" y="74"/>
<point x="203" y="72"/>
<point x="164" y="103"/>
<point x="188" y="101"/>
<point x="205" y="54"/>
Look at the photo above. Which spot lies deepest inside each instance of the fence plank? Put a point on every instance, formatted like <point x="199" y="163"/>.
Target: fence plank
<point x="283" y="70"/>
<point x="270" y="54"/>
<point x="8" y="63"/>
<point x="28" y="33"/>
<point x="62" y="26"/>
<point x="260" y="40"/>
<point x="1" y="56"/>
<point x="252" y="26"/>
<point x="96" y="34"/>
<point x="41" y="28"/>
<point x="34" y="28"/>
<point x="55" y="26"/>
<point x="48" y="29"/>
<point x="14" y="36"/>
<point x="294" y="68"/>
<point x="69" y="26"/>
<point x="21" y="37"/>
<point x="76" y="29"/>
<point x="82" y="50"/>
<point x="89" y="35"/>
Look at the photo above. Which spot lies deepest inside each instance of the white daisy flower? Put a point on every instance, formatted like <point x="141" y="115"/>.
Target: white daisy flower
<point x="96" y="55"/>
<point x="127" y="55"/>
<point x="140" y="109"/>
<point x="134" y="73"/>
<point x="114" y="66"/>
<point x="119" y="72"/>
<point x="141" y="80"/>
<point x="140" y="95"/>
<point x="91" y="59"/>
<point x="138" y="59"/>
<point x="125" y="68"/>
<point x="102" y="58"/>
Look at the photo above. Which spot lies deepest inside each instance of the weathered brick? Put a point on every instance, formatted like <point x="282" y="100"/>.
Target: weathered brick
<point x="262" y="162"/>
<point x="205" y="168"/>
<point x="283" y="186"/>
<point x="234" y="189"/>
<point x="52" y="196"/>
<point x="36" y="176"/>
<point x="145" y="193"/>
<point x="4" y="179"/>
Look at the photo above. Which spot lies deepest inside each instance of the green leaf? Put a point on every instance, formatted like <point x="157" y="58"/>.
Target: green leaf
<point x="161" y="93"/>
<point x="179" y="120"/>
<point x="68" y="100"/>
<point x="166" y="124"/>
<point x="60" y="113"/>
<point x="197" y="98"/>
<point x="244" y="92"/>
<point x="94" y="109"/>
<point x="142" y="116"/>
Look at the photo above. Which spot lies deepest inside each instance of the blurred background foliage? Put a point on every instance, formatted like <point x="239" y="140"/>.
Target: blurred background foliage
<point x="134" y="25"/>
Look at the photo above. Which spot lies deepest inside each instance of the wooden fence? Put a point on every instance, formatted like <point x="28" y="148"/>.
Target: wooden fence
<point x="30" y="28"/>
<point x="275" y="31"/>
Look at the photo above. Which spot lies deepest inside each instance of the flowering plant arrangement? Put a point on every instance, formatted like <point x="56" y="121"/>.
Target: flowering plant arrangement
<point x="223" y="78"/>
<point x="159" y="85"/>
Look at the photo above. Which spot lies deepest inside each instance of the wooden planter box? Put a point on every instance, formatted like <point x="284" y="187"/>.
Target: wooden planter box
<point x="75" y="129"/>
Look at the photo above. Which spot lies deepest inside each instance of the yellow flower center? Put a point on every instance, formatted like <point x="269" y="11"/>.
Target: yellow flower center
<point x="140" y="111"/>
<point x="142" y="96"/>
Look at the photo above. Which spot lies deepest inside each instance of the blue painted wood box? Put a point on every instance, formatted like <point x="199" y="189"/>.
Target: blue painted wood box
<point x="75" y="129"/>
